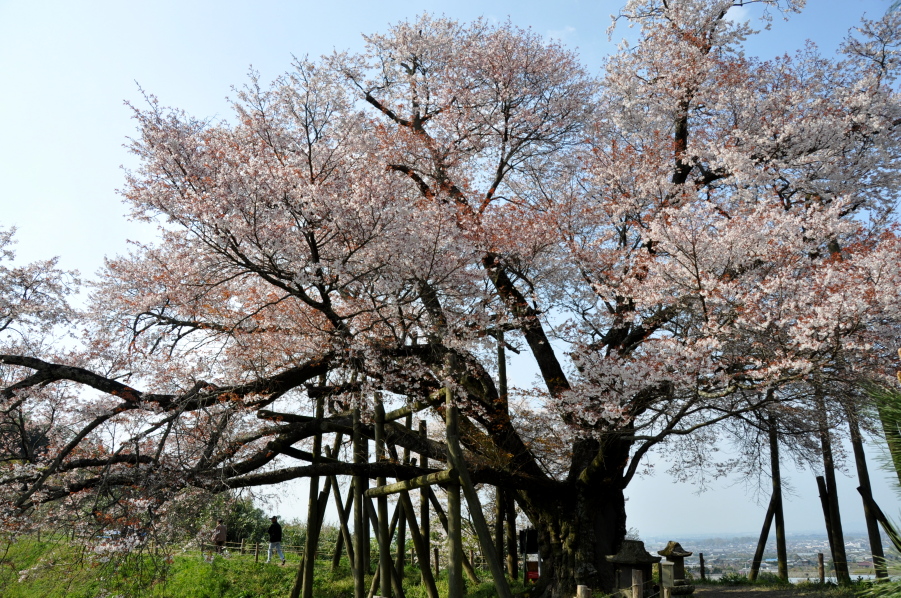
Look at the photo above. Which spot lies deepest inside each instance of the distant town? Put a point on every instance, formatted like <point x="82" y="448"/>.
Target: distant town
<point x="733" y="555"/>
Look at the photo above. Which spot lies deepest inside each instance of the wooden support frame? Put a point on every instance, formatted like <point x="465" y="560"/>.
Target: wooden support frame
<point x="455" y="455"/>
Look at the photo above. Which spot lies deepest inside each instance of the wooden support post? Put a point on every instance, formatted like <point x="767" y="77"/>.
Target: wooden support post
<point x="761" y="543"/>
<point x="637" y="583"/>
<point x="499" y="521"/>
<point x="510" y="516"/>
<point x="455" y="587"/>
<point x="781" y="551"/>
<point x="863" y="475"/>
<point x="839" y="556"/>
<point x="303" y="584"/>
<point x="821" y="567"/>
<point x="242" y="545"/>
<point x="256" y="552"/>
<point x="437" y="566"/>
<point x="827" y="513"/>
<point x="405" y="507"/>
<point x="701" y="559"/>
<point x="414" y="407"/>
<point x="402" y="524"/>
<point x="345" y="539"/>
<point x="455" y="454"/>
<point x="360" y="523"/>
<point x="393" y="577"/>
<point x="424" y="505"/>
<point x="367" y="553"/>
<point x="442" y="518"/>
<point x="384" y="541"/>
<point x="583" y="592"/>
<point x="440" y="477"/>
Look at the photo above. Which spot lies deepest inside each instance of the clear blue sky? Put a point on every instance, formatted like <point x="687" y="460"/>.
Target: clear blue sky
<point x="67" y="66"/>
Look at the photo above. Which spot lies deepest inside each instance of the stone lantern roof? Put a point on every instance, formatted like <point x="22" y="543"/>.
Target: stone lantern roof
<point x="674" y="550"/>
<point x="632" y="552"/>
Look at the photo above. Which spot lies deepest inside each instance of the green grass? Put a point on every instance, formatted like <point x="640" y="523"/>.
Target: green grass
<point x="53" y="569"/>
<point x="806" y="588"/>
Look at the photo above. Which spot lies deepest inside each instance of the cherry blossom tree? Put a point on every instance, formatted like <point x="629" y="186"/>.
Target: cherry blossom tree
<point x="670" y="244"/>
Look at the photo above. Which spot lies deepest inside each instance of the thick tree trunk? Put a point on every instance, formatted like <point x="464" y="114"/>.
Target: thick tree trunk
<point x="577" y="529"/>
<point x="579" y="524"/>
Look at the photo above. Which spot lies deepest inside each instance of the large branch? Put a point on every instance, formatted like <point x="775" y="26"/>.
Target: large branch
<point x="530" y="325"/>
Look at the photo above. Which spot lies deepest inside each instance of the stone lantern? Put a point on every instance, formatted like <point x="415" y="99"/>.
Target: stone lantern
<point x="672" y="572"/>
<point x="632" y="558"/>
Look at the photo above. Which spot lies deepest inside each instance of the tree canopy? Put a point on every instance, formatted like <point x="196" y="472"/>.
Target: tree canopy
<point x="692" y="236"/>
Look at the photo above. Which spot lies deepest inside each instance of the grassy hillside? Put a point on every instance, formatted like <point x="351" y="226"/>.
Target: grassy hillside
<point x="55" y="569"/>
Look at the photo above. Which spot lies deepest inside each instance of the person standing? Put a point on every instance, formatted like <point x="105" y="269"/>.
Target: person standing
<point x="275" y="540"/>
<point x="219" y="536"/>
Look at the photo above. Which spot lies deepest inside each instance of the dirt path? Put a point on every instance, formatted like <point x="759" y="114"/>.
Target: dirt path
<point x="752" y="592"/>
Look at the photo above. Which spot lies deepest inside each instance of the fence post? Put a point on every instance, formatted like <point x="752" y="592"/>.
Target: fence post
<point x="437" y="567"/>
<point x="242" y="545"/>
<point x="256" y="552"/>
<point x="701" y="559"/>
<point x="637" y="583"/>
<point x="821" y="567"/>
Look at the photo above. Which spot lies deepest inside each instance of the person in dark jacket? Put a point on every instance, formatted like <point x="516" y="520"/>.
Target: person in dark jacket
<point x="275" y="540"/>
<point x="219" y="535"/>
